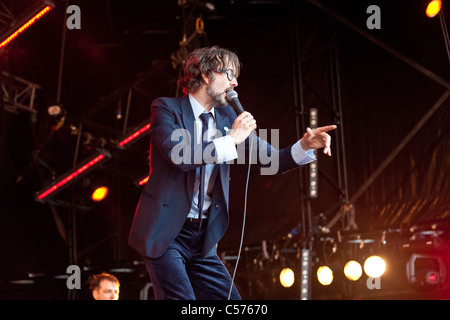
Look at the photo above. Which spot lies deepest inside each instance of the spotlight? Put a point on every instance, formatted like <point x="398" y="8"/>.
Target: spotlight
<point x="99" y="193"/>
<point x="324" y="275"/>
<point x="287" y="277"/>
<point x="374" y="266"/>
<point x="55" y="110"/>
<point x="95" y="186"/>
<point x="433" y="8"/>
<point x="425" y="272"/>
<point x="352" y="270"/>
<point x="57" y="115"/>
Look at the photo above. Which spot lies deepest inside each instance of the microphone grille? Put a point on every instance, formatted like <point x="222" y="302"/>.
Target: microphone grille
<point x="231" y="95"/>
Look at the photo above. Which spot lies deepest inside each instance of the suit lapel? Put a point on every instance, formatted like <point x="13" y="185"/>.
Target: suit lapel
<point x="221" y="121"/>
<point x="188" y="124"/>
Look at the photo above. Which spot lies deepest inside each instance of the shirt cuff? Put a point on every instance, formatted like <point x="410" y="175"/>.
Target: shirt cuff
<point x="225" y="149"/>
<point x="300" y="156"/>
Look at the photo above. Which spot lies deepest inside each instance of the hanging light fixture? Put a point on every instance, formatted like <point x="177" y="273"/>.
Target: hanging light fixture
<point x="24" y="23"/>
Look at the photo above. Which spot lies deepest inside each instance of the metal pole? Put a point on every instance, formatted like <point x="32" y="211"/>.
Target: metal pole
<point x="61" y="58"/>
<point x="306" y="215"/>
<point x="383" y="45"/>
<point x="392" y="155"/>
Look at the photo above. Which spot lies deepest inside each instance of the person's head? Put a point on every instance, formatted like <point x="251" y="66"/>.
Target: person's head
<point x="214" y="68"/>
<point x="104" y="286"/>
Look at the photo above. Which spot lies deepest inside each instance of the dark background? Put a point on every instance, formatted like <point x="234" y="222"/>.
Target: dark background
<point x="375" y="95"/>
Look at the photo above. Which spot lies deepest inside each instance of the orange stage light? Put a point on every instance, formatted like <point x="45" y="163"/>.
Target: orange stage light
<point x="99" y="194"/>
<point x="433" y="8"/>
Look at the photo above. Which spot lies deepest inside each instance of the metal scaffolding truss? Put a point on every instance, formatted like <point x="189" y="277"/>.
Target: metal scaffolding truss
<point x="18" y="94"/>
<point x="6" y="17"/>
<point x="347" y="209"/>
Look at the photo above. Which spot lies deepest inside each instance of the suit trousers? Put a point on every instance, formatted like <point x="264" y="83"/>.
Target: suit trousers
<point x="182" y="274"/>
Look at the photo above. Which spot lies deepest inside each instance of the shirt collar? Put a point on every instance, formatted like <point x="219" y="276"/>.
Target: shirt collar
<point x="197" y="107"/>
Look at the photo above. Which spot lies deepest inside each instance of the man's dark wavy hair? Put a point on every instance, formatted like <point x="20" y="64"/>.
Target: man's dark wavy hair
<point x="205" y="60"/>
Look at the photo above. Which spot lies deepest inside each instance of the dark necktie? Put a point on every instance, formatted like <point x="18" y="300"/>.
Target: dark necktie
<point x="204" y="117"/>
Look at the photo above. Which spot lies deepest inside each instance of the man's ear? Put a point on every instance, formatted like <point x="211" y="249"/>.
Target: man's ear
<point x="206" y="79"/>
<point x="95" y="294"/>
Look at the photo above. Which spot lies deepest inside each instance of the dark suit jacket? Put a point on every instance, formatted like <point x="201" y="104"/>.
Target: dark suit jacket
<point x="166" y="199"/>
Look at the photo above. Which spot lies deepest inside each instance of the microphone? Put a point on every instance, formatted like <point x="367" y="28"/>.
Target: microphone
<point x="232" y="98"/>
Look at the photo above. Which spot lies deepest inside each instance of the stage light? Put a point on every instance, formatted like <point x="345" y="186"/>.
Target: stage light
<point x="313" y="166"/>
<point x="134" y="135"/>
<point x="26" y="22"/>
<point x="432" y="277"/>
<point x="433" y="8"/>
<point x="352" y="270"/>
<point x="374" y="266"/>
<point x="324" y="275"/>
<point x="99" y="193"/>
<point x="55" y="110"/>
<point x="142" y="181"/>
<point x="69" y="177"/>
<point x="287" y="277"/>
<point x="425" y="272"/>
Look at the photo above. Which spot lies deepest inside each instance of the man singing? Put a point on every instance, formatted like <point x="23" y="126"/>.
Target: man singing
<point x="183" y="209"/>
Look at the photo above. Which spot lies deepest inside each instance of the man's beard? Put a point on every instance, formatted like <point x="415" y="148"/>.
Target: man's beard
<point x="217" y="97"/>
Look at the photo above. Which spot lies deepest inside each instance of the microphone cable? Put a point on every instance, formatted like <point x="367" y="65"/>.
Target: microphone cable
<point x="245" y="213"/>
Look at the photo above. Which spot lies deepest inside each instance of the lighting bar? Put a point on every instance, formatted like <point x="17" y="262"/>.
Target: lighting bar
<point x="313" y="167"/>
<point x="305" y="279"/>
<point x="134" y="135"/>
<point x="66" y="179"/>
<point x="26" y="23"/>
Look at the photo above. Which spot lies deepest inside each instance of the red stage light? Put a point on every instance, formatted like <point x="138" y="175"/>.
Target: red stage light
<point x="25" y="26"/>
<point x="143" y="181"/>
<point x="47" y="192"/>
<point x="432" y="277"/>
<point x="135" y="135"/>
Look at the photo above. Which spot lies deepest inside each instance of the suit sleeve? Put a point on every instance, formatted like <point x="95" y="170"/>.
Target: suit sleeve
<point x="174" y="141"/>
<point x="272" y="160"/>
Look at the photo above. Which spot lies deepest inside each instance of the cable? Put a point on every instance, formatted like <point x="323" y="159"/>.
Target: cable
<point x="245" y="214"/>
<point x="445" y="33"/>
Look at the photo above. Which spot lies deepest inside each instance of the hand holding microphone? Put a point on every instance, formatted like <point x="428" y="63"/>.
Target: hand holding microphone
<point x="244" y="124"/>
